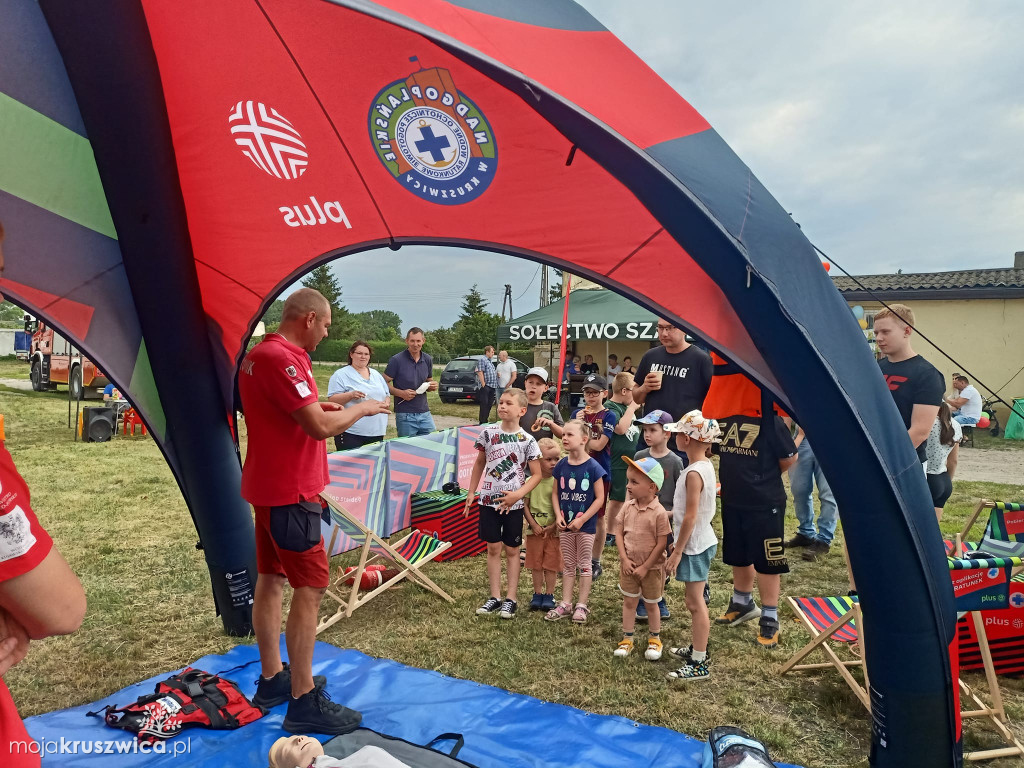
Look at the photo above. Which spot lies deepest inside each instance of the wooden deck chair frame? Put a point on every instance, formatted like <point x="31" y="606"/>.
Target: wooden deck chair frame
<point x="995" y="712"/>
<point x="983" y="504"/>
<point x="375" y="549"/>
<point x="819" y="640"/>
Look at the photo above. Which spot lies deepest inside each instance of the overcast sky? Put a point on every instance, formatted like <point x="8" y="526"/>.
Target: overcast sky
<point x="895" y="135"/>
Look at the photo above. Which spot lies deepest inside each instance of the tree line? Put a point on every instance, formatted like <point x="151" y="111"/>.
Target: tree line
<point x="475" y="328"/>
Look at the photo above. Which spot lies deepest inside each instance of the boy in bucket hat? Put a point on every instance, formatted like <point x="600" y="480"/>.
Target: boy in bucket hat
<point x="695" y="539"/>
<point x="641" y="534"/>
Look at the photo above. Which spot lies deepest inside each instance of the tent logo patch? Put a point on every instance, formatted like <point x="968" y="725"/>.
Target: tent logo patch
<point x="268" y="139"/>
<point x="432" y="138"/>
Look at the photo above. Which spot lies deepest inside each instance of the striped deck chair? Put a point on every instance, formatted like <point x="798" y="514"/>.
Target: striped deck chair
<point x="1000" y="525"/>
<point x="830" y="618"/>
<point x="984" y="583"/>
<point x="407" y="556"/>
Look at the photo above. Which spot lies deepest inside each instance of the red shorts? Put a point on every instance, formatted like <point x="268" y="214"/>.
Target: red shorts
<point x="288" y="543"/>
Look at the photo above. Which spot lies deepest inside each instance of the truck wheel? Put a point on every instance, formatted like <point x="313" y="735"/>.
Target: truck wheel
<point x="36" y="376"/>
<point x="76" y="382"/>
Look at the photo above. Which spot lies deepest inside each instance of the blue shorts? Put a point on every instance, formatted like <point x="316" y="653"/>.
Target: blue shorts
<point x="696" y="567"/>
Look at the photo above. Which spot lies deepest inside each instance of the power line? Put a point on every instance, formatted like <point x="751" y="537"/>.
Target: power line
<point x="959" y="365"/>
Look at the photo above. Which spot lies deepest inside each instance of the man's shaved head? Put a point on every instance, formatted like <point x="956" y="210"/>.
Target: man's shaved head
<point x="302" y="302"/>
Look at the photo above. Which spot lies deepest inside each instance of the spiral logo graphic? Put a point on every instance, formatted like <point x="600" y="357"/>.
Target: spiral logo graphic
<point x="268" y="139"/>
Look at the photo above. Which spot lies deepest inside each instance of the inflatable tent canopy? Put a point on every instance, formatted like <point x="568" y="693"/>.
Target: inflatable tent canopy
<point x="167" y="169"/>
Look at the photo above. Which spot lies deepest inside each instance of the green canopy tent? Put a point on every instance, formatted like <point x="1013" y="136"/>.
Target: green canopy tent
<point x="594" y="315"/>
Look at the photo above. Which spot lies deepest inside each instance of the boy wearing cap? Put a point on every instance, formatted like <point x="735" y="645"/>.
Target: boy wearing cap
<point x="602" y="426"/>
<point x="542" y="418"/>
<point x="641" y="534"/>
<point x="656" y="437"/>
<point x="622" y="444"/>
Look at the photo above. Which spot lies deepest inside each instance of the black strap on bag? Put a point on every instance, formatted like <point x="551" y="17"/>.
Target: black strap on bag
<point x="459" y="740"/>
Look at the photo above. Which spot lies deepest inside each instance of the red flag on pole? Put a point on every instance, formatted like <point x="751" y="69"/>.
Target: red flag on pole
<point x="561" y="342"/>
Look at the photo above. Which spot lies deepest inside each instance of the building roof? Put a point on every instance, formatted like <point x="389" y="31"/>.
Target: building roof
<point x="960" y="284"/>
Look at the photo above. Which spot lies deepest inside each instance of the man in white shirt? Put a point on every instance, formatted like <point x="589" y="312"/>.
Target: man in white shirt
<point x="967" y="405"/>
<point x="506" y="371"/>
<point x="613" y="366"/>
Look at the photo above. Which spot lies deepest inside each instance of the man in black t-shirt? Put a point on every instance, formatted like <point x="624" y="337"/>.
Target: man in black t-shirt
<point x="685" y="377"/>
<point x="751" y="463"/>
<point x="589" y="366"/>
<point x="917" y="386"/>
<point x="685" y="374"/>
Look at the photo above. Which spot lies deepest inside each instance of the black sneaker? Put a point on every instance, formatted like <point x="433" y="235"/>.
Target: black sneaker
<point x="595" y="569"/>
<point x="489" y="607"/>
<point x="314" y="712"/>
<point x="686" y="654"/>
<point x="815" y="550"/>
<point x="799" y="541"/>
<point x="278" y="689"/>
<point x="768" y="632"/>
<point x="508" y="609"/>
<point x="737" y="613"/>
<point x="707" y="593"/>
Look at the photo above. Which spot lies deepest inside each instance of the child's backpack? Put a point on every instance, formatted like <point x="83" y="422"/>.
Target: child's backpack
<point x="190" y="699"/>
<point x="731" y="747"/>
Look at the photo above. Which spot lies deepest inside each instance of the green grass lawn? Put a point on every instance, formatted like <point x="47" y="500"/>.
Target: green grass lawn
<point x="117" y="515"/>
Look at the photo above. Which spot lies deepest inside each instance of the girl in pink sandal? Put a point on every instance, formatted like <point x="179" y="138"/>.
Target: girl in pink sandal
<point x="578" y="494"/>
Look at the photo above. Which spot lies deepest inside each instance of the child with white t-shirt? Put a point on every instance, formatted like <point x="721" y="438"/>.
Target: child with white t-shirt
<point x="696" y="542"/>
<point x="506" y="452"/>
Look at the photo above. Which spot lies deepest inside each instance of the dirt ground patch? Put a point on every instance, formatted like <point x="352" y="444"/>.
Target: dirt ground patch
<point x="990" y="465"/>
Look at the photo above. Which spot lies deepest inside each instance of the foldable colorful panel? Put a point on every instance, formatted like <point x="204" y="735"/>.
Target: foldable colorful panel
<point x="440" y="514"/>
<point x="467" y="454"/>
<point x="359" y="483"/>
<point x="417" y="464"/>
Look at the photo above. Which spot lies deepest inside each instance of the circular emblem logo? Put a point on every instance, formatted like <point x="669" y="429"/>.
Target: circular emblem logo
<point x="432" y="138"/>
<point x="268" y="139"/>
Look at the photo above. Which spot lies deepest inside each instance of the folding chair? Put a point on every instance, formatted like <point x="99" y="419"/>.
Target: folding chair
<point x="999" y="526"/>
<point x="977" y="583"/>
<point x="984" y="583"/>
<point x="830" y="618"/>
<point x="408" y="556"/>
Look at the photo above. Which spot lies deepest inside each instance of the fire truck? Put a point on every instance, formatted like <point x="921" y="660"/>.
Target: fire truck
<point x="55" y="360"/>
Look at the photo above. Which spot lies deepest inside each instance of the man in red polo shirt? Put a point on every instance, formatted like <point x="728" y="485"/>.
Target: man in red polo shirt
<point x="39" y="596"/>
<point x="285" y="470"/>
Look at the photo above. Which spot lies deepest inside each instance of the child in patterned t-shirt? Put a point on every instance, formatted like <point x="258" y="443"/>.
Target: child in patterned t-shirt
<point x="506" y="451"/>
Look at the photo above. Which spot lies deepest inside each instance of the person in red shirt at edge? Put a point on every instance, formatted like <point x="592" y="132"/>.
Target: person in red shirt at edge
<point x="40" y="596"/>
<point x="285" y="469"/>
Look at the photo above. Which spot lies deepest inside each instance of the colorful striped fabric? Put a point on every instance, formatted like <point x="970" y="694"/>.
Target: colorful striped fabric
<point x="963" y="564"/>
<point x="824" y="611"/>
<point x="1005" y="527"/>
<point x="441" y="514"/>
<point x="415" y="547"/>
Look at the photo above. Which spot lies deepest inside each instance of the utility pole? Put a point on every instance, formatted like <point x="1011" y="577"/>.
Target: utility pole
<point x="507" y="298"/>
<point x="544" y="292"/>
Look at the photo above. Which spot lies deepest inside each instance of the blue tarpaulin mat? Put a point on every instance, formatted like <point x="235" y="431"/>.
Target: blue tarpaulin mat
<point x="501" y="729"/>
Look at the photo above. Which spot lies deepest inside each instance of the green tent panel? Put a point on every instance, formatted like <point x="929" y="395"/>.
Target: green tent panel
<point x="593" y="315"/>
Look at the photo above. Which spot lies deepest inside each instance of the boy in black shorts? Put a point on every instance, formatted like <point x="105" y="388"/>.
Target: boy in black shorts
<point x="752" y="457"/>
<point x="506" y="450"/>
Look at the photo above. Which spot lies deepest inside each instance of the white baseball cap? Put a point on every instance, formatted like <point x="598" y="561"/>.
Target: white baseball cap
<point x="540" y="373"/>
